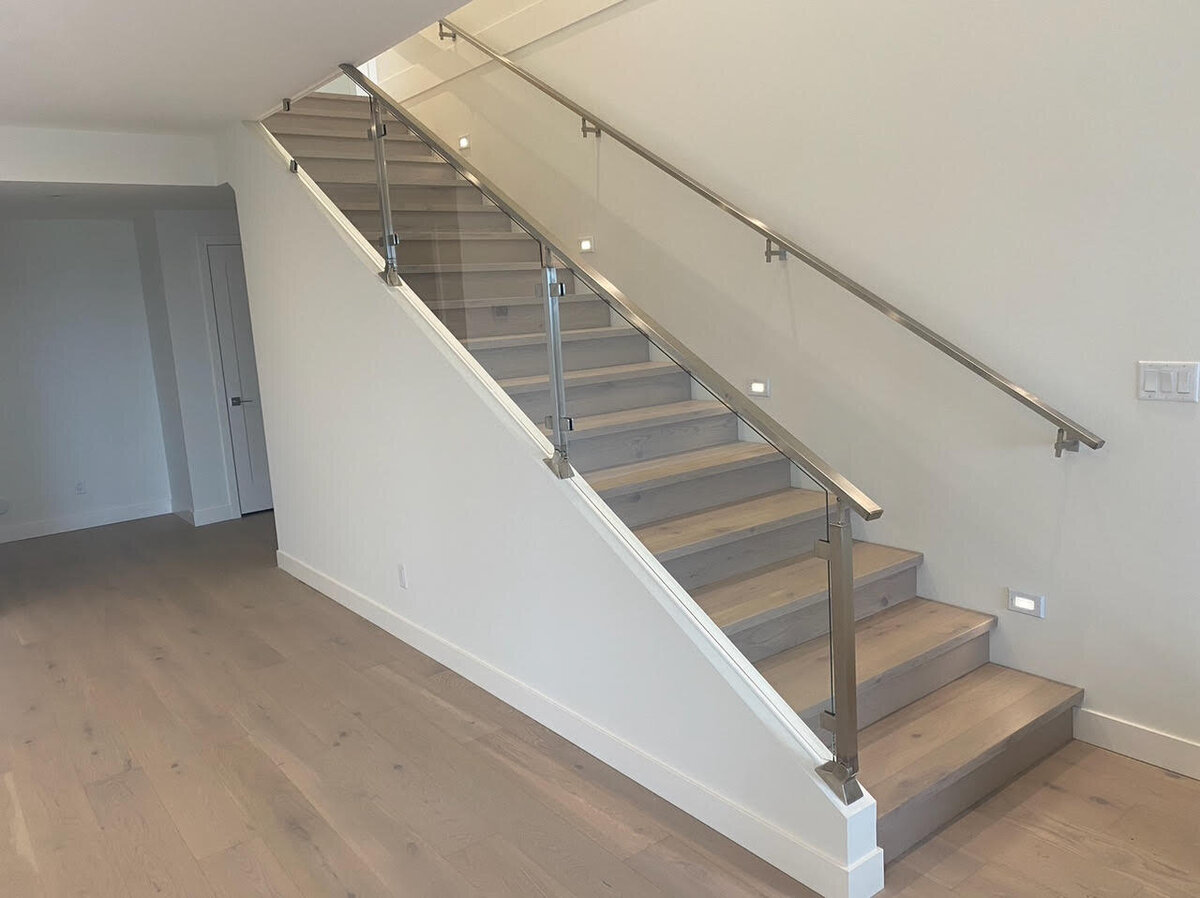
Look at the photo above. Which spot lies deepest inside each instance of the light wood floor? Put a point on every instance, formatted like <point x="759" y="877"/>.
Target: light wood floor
<point x="179" y="718"/>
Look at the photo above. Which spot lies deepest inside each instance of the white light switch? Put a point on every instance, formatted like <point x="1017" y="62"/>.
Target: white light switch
<point x="1169" y="381"/>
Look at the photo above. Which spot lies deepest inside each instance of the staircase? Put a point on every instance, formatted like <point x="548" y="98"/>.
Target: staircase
<point x="940" y="726"/>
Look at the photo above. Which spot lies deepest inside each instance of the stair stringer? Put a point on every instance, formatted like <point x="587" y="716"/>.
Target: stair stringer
<point x="389" y="444"/>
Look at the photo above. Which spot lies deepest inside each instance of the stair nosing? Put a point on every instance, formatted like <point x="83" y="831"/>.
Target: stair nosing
<point x="732" y="535"/>
<point x="588" y="376"/>
<point x="767" y="455"/>
<point x="508" y="341"/>
<point x="913" y="559"/>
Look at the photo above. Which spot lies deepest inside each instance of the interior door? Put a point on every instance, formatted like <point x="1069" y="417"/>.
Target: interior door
<point x="241" y="377"/>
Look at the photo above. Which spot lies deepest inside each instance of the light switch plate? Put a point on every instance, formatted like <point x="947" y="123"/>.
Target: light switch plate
<point x="1169" y="381"/>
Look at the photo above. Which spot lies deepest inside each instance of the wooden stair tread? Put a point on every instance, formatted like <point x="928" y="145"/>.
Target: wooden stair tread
<point x="490" y="301"/>
<point x="504" y="341"/>
<point x="888" y="643"/>
<point x="939" y="739"/>
<point x="763" y="594"/>
<point x="711" y="527"/>
<point x="640" y="475"/>
<point x="536" y="382"/>
<point x="469" y="267"/>
<point x="647" y="416"/>
<point x="373" y="206"/>
<point x="398" y="180"/>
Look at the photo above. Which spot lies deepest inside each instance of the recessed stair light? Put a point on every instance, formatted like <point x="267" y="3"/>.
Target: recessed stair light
<point x="464" y="142"/>
<point x="760" y="388"/>
<point x="586" y="244"/>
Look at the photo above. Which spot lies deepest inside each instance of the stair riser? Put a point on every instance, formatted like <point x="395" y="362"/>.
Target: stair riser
<point x="711" y="565"/>
<point x="811" y="620"/>
<point x="286" y="124"/>
<point x="525" y="361"/>
<point x="462" y="196"/>
<point x="475" y="219"/>
<point x="876" y="700"/>
<point x="590" y="454"/>
<point x="355" y="148"/>
<point x="449" y="251"/>
<point x="913" y="821"/>
<point x="362" y="171"/>
<point x="335" y="107"/>
<point x="439" y="285"/>
<point x="491" y="321"/>
<point x="700" y="493"/>
<point x="596" y="399"/>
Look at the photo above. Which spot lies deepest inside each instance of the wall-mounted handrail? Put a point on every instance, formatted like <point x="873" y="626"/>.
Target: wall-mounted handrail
<point x="733" y="398"/>
<point x="1071" y="434"/>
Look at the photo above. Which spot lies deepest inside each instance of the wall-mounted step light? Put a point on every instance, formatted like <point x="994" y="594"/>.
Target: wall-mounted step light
<point x="759" y="388"/>
<point x="1026" y="603"/>
<point x="464" y="142"/>
<point x="587" y="245"/>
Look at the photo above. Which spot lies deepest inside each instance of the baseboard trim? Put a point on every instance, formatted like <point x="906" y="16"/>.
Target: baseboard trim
<point x="214" y="514"/>
<point x="774" y="845"/>
<point x="1166" y="750"/>
<point x="99" y="517"/>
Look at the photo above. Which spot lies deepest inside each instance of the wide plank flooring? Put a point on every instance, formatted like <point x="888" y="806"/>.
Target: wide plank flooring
<point x="180" y="718"/>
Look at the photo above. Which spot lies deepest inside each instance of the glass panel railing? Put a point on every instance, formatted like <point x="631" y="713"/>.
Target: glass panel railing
<point x="732" y="504"/>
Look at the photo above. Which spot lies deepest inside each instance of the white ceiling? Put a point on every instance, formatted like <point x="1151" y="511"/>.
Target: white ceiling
<point x="183" y="65"/>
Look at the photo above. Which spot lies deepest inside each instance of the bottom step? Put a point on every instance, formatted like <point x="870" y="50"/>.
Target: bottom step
<point x="933" y="759"/>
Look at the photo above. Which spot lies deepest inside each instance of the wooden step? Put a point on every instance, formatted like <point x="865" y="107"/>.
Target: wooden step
<point x="727" y="540"/>
<point x="489" y="317"/>
<point x="477" y="280"/>
<point x="456" y="195"/>
<point x="399" y="147"/>
<point x="520" y="355"/>
<point x="334" y="105"/>
<point x="428" y="219"/>
<point x="463" y="247"/>
<point x="783" y="605"/>
<point x="363" y="171"/>
<point x="601" y="441"/>
<point x="935" y="758"/>
<point x="289" y="124"/>
<point x="679" y="484"/>
<point x="596" y="391"/>
<point x="903" y="654"/>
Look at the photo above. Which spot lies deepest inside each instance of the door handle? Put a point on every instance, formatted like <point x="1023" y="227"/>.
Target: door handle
<point x="238" y="400"/>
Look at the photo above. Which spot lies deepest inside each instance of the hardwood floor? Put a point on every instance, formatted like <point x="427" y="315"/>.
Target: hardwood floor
<point x="179" y="718"/>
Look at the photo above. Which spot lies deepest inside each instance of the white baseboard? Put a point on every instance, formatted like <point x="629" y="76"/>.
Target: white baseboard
<point x="82" y="520"/>
<point x="774" y="845"/>
<point x="212" y="515"/>
<point x="1142" y="743"/>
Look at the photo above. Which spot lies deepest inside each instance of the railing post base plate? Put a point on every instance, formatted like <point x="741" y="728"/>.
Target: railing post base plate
<point x="844" y="783"/>
<point x="560" y="465"/>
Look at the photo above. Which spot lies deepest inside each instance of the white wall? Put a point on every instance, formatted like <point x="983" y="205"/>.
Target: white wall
<point x="201" y="393"/>
<point x="1020" y="176"/>
<point x="59" y="155"/>
<point x="389" y="445"/>
<point x="77" y="390"/>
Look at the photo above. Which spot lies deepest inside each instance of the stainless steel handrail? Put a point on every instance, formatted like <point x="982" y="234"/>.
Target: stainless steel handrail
<point x="1071" y="433"/>
<point x="766" y="426"/>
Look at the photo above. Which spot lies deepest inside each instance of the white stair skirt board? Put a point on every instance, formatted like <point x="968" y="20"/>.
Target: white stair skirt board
<point x="1133" y="740"/>
<point x="769" y="842"/>
<point x="626" y="665"/>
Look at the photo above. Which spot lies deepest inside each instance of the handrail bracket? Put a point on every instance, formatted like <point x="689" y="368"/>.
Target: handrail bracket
<point x="776" y="251"/>
<point x="589" y="127"/>
<point x="444" y="32"/>
<point x="1065" y="443"/>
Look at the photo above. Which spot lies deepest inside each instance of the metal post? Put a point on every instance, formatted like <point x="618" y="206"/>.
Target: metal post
<point x="842" y="772"/>
<point x="377" y="132"/>
<point x="558" y="421"/>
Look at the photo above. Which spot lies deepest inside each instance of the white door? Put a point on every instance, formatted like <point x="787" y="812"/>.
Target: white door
<point x="241" y="377"/>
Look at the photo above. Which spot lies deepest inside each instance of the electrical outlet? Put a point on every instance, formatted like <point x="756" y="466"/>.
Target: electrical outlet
<point x="1026" y="603"/>
<point x="402" y="575"/>
<point x="80" y="488"/>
